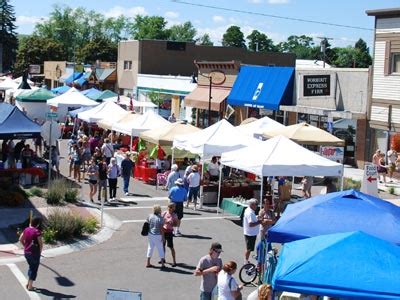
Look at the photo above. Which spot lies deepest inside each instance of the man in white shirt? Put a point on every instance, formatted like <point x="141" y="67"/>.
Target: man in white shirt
<point x="250" y="227"/>
<point x="213" y="169"/>
<point x="194" y="186"/>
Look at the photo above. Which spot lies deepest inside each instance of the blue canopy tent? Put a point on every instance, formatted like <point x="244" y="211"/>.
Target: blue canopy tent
<point x="263" y="87"/>
<point x="338" y="212"/>
<point x="74" y="76"/>
<point x="351" y="265"/>
<point x="91" y="93"/>
<point x="61" y="89"/>
<point x="83" y="79"/>
<point x="18" y="126"/>
<point x="5" y="111"/>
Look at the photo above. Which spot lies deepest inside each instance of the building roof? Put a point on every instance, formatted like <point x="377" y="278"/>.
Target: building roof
<point x="102" y="74"/>
<point x="384" y="12"/>
<point x="311" y="63"/>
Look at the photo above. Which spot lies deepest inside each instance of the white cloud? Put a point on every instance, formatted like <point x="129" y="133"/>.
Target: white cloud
<point x="117" y="11"/>
<point x="171" y="15"/>
<point x="255" y="1"/>
<point x="218" y="19"/>
<point x="30" y="20"/>
<point x="278" y="1"/>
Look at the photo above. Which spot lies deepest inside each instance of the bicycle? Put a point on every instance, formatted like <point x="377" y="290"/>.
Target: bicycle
<point x="248" y="273"/>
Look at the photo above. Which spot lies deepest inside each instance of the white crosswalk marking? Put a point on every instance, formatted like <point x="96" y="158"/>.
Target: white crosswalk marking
<point x="187" y="219"/>
<point x="143" y="199"/>
<point x="22" y="280"/>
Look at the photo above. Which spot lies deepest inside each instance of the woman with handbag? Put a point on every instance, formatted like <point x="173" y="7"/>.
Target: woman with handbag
<point x="31" y="239"/>
<point x="155" y="236"/>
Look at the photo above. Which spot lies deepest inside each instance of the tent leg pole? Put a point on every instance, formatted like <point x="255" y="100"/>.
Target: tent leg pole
<point x="219" y="188"/>
<point x="261" y="190"/>
<point x="172" y="156"/>
<point x="130" y="146"/>
<point x="201" y="184"/>
<point x="341" y="183"/>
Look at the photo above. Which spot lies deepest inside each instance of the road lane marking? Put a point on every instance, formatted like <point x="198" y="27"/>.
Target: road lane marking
<point x="130" y="207"/>
<point x="187" y="219"/>
<point x="140" y="199"/>
<point x="22" y="280"/>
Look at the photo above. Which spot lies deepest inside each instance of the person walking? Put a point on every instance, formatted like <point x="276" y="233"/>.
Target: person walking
<point x="228" y="289"/>
<point x="156" y="236"/>
<point x="103" y="169"/>
<point x="93" y="173"/>
<point x="306" y="185"/>
<point x="194" y="186"/>
<point x="172" y="177"/>
<point x="107" y="150"/>
<point x="208" y="268"/>
<point x="127" y="166"/>
<point x="250" y="227"/>
<point x="31" y="239"/>
<point x="178" y="195"/>
<point x="392" y="158"/>
<point x="170" y="220"/>
<point x="113" y="173"/>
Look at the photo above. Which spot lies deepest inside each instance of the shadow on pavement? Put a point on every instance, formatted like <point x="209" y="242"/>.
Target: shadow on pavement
<point x="61" y="280"/>
<point x="196" y="236"/>
<point x="237" y="222"/>
<point x="139" y="195"/>
<point x="192" y="213"/>
<point x="54" y="295"/>
<point x="175" y="270"/>
<point x="185" y="266"/>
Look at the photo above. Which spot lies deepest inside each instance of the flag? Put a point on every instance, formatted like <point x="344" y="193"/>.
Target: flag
<point x="153" y="152"/>
<point x="131" y="104"/>
<point x="160" y="153"/>
<point x="141" y="145"/>
<point x="135" y="143"/>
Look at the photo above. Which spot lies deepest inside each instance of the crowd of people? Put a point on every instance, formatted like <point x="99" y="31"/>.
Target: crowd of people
<point x="383" y="168"/>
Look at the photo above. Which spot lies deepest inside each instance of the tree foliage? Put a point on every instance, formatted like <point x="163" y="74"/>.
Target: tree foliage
<point x="149" y="27"/>
<point x="35" y="50"/>
<point x="204" y="40"/>
<point x="233" y="37"/>
<point x="259" y="41"/>
<point x="8" y="37"/>
<point x="182" y="32"/>
<point x="303" y="46"/>
<point x="97" y="49"/>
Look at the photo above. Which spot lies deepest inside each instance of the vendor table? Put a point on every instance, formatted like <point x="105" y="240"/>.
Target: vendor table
<point x="233" y="207"/>
<point x="211" y="191"/>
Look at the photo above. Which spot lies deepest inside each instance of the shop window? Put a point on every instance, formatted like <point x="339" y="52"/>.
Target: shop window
<point x="396" y="63"/>
<point x="127" y="65"/>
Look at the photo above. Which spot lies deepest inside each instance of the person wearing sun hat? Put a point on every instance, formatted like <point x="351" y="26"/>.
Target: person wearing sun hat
<point x="208" y="268"/>
<point x="178" y="195"/>
<point x="194" y="186"/>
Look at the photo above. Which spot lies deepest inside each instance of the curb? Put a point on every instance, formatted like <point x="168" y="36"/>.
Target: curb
<point x="111" y="224"/>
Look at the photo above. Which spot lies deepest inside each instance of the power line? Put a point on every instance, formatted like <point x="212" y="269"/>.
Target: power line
<point x="271" y="16"/>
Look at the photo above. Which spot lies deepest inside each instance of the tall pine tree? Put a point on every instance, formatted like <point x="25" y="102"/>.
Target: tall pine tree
<point x="8" y="37"/>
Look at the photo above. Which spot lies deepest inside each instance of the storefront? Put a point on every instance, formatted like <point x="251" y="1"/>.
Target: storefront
<point x="332" y="99"/>
<point x="214" y="83"/>
<point x="168" y="92"/>
<point x="259" y="91"/>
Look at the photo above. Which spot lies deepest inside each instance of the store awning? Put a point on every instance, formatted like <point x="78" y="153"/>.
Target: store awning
<point x="199" y="98"/>
<point x="263" y="87"/>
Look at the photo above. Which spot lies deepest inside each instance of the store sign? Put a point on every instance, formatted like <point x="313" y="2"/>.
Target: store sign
<point x="332" y="153"/>
<point x="34" y="69"/>
<point x="258" y="90"/>
<point x="316" y="85"/>
<point x="370" y="180"/>
<point x="217" y="77"/>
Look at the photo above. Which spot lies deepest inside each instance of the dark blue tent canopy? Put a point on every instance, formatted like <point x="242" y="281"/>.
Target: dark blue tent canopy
<point x="18" y="126"/>
<point x="263" y="87"/>
<point x="350" y="265"/>
<point x="338" y="212"/>
<point x="5" y="111"/>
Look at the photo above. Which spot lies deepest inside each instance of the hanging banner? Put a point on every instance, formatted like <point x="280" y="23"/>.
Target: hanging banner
<point x="333" y="153"/>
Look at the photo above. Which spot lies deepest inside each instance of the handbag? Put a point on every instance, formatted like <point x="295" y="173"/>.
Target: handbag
<point x="145" y="228"/>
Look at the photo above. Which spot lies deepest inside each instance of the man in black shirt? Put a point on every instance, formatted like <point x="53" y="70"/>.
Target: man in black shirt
<point x="127" y="166"/>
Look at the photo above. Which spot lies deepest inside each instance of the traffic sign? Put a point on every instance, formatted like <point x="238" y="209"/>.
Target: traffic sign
<point x="51" y="115"/>
<point x="370" y="180"/>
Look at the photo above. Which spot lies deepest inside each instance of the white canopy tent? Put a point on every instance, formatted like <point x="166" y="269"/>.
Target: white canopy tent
<point x="8" y="83"/>
<point x="279" y="156"/>
<point x="258" y="127"/>
<point x="70" y="99"/>
<point x="108" y="111"/>
<point x="149" y="120"/>
<point x="214" y="140"/>
<point x="127" y="101"/>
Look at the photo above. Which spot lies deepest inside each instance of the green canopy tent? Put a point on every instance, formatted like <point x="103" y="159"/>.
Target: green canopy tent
<point x="103" y="96"/>
<point x="33" y="102"/>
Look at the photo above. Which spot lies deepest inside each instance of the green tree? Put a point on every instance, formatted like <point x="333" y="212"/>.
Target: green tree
<point x="182" y="32"/>
<point x="362" y="57"/>
<point x="99" y="48"/>
<point x="345" y="57"/>
<point x="149" y="27"/>
<point x="35" y="50"/>
<point x="233" y="37"/>
<point x="8" y="37"/>
<point x="204" y="40"/>
<point x="259" y="41"/>
<point x="303" y="46"/>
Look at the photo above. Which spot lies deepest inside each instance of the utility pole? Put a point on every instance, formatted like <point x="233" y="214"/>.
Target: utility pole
<point x="1" y="58"/>
<point x="324" y="43"/>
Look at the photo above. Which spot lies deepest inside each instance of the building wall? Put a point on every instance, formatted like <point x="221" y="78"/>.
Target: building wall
<point x="50" y="71"/>
<point x="348" y="90"/>
<point x="162" y="58"/>
<point x="385" y="102"/>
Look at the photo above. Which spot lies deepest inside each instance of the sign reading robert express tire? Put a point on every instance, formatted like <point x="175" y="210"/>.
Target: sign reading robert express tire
<point x="316" y="85"/>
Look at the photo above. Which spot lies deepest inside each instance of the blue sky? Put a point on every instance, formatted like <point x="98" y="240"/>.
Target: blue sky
<point x="214" y="22"/>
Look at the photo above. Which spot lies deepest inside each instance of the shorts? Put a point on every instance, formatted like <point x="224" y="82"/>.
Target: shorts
<point x="179" y="209"/>
<point x="250" y="242"/>
<point x="92" y="181"/>
<point x="392" y="167"/>
<point x="169" y="239"/>
<point x="382" y="170"/>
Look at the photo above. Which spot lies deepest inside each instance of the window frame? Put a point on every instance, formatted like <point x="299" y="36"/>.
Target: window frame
<point x="127" y="65"/>
<point x="392" y="65"/>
